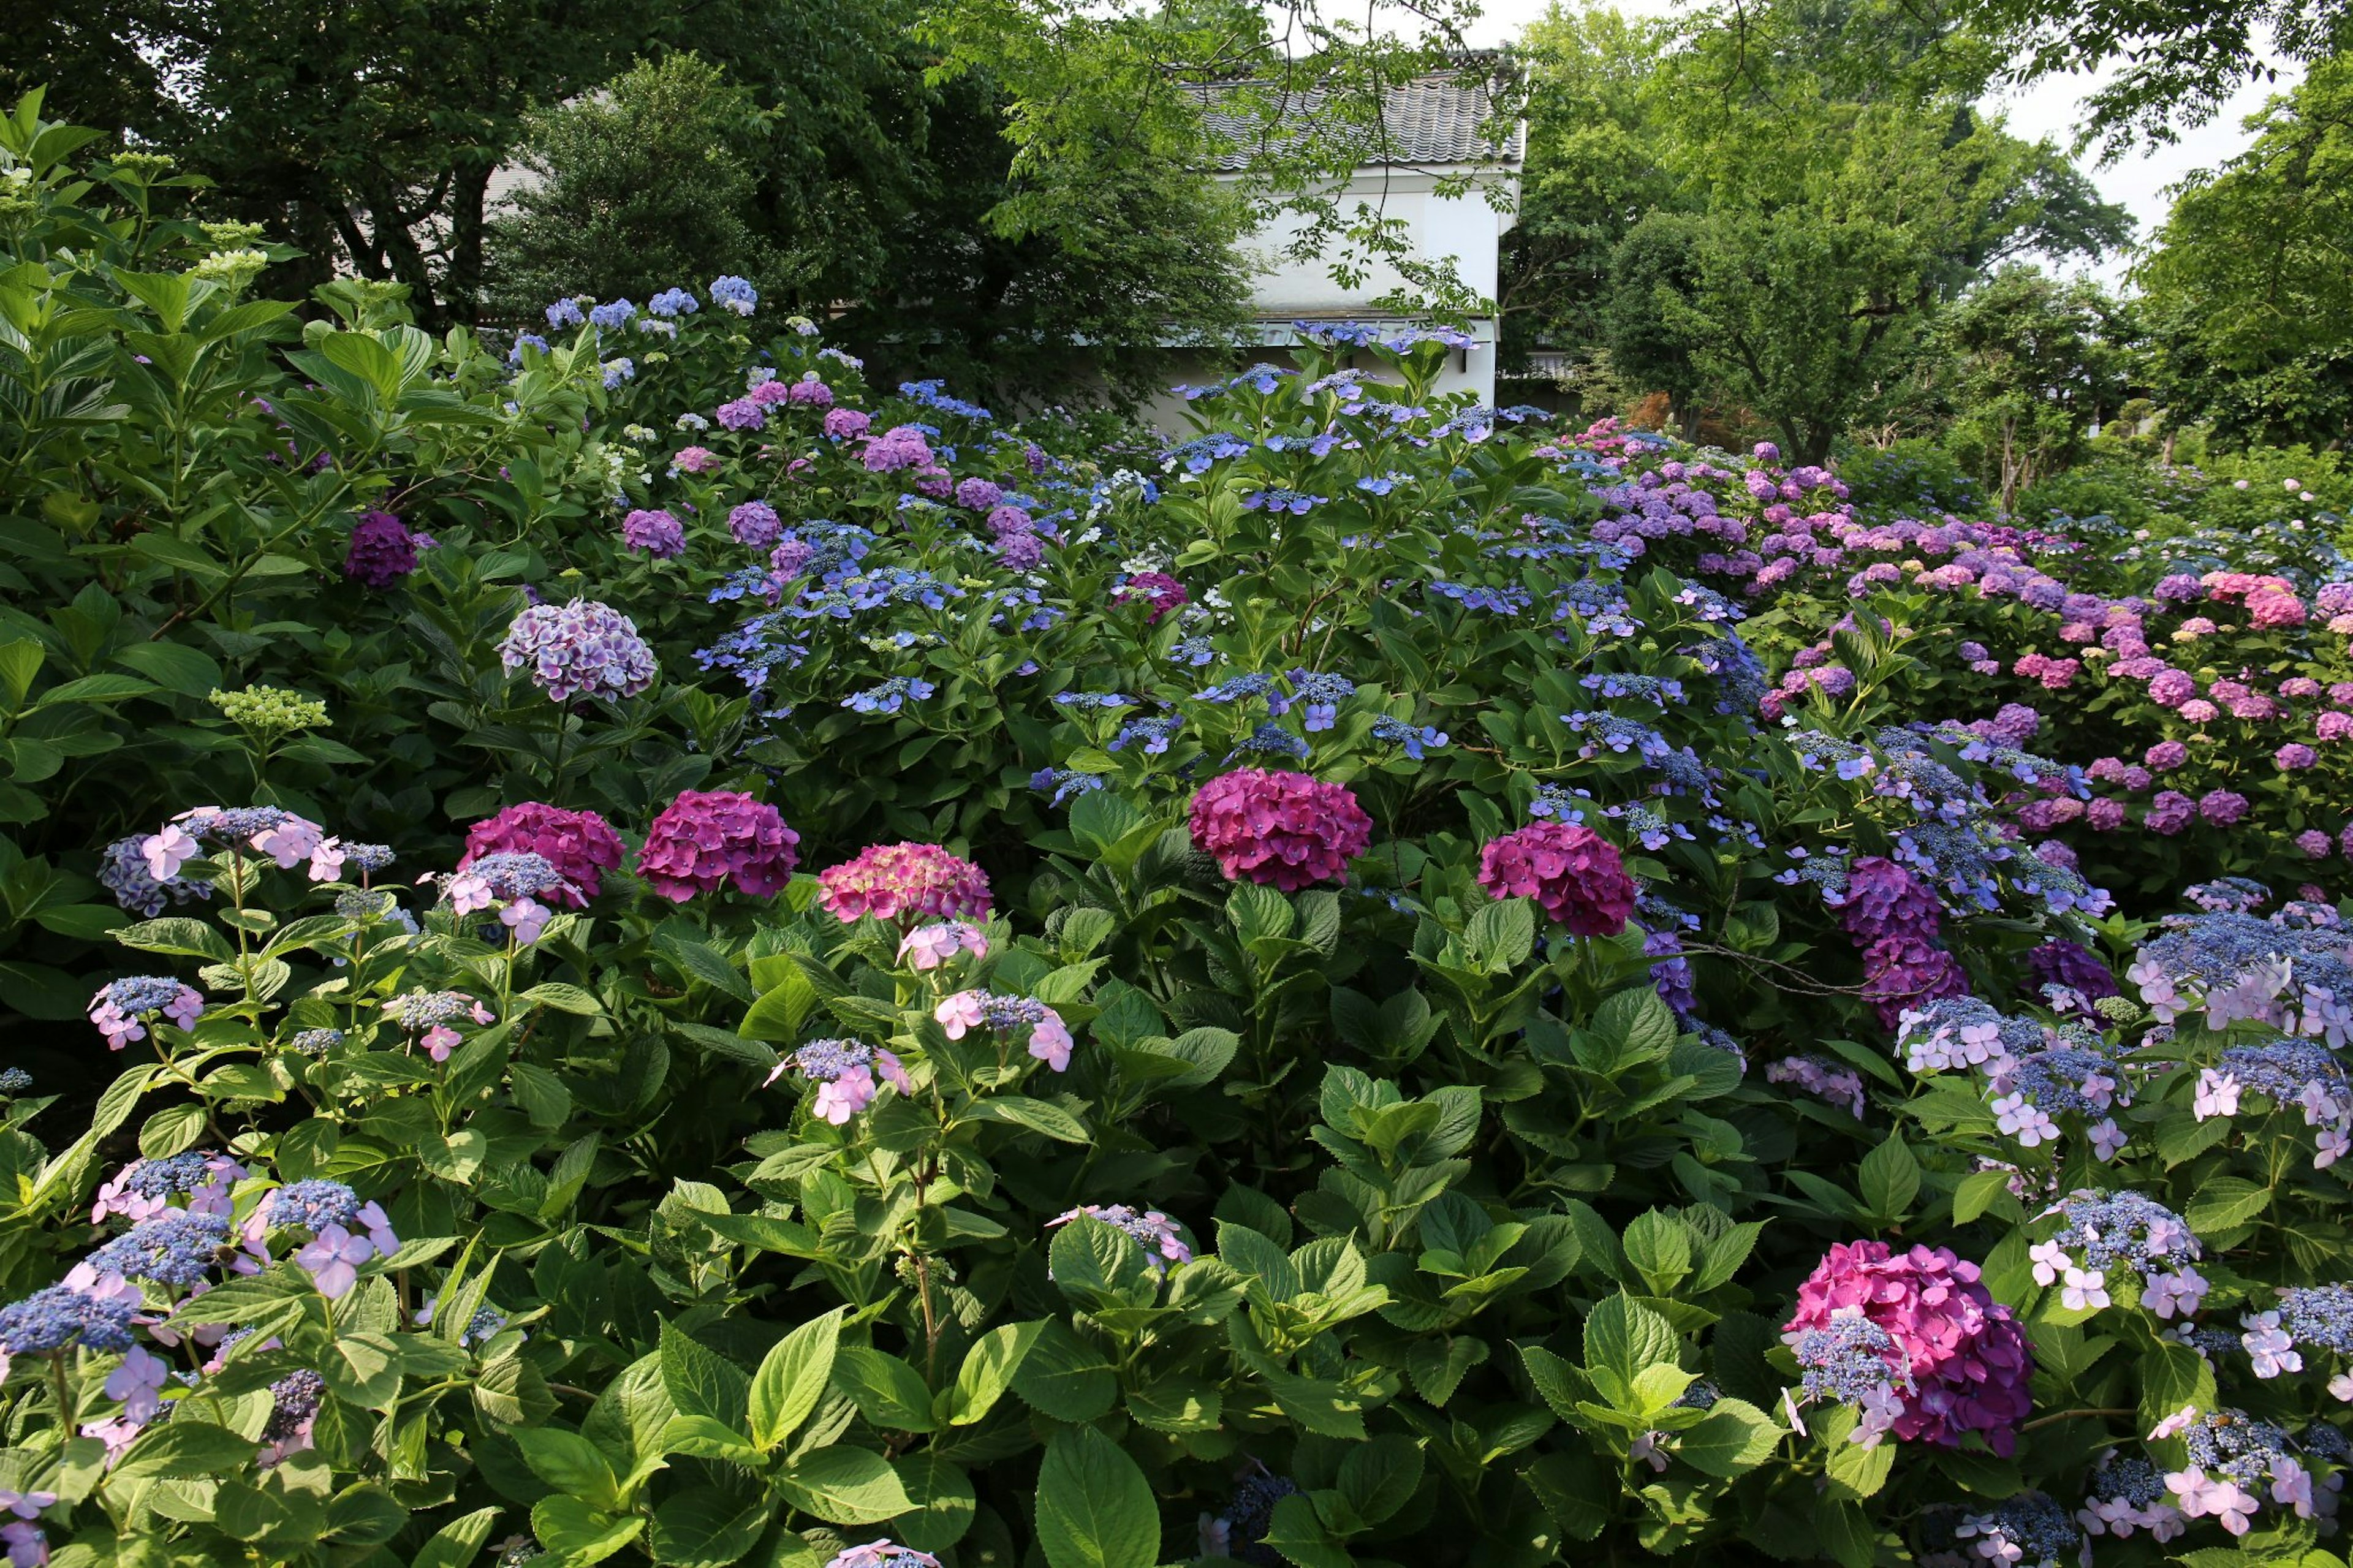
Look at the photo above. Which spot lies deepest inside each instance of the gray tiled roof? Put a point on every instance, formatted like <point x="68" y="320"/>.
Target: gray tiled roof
<point x="1428" y="122"/>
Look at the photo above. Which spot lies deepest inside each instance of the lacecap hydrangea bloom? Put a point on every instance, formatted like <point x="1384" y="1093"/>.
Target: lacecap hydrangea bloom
<point x="1576" y="875"/>
<point x="704" y="837"/>
<point x="580" y="845"/>
<point x="580" y="649"/>
<point x="904" y="881"/>
<point x="843" y="1072"/>
<point x="928" y="947"/>
<point x="119" y="1005"/>
<point x="1285" y="829"/>
<point x="346" y="1231"/>
<point x="1162" y="1238"/>
<point x="967" y="1011"/>
<point x="882" y="1554"/>
<point x="1967" y="1360"/>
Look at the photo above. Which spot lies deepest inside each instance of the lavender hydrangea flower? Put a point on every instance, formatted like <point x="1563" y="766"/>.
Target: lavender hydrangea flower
<point x="844" y="1072"/>
<point x="2120" y="1229"/>
<point x="1162" y="1238"/>
<point x="579" y="649"/>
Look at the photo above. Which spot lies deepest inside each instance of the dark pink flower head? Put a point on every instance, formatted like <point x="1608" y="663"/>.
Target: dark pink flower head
<point x="905" y="882"/>
<point x="1157" y="589"/>
<point x="1286" y="829"/>
<point x="658" y="534"/>
<point x="1884" y="898"/>
<point x="1574" y="873"/>
<point x="809" y="393"/>
<point x="900" y="446"/>
<point x="2221" y="806"/>
<point x="1970" y="1365"/>
<point x="704" y="837"/>
<point x="382" y="550"/>
<point x="1900" y="970"/>
<point x="580" y="845"/>
<point x="842" y="424"/>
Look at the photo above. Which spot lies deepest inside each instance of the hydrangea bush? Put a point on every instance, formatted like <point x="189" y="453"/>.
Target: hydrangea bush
<point x="1380" y="984"/>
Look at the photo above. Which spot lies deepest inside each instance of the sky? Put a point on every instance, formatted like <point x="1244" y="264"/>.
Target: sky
<point x="2051" y="107"/>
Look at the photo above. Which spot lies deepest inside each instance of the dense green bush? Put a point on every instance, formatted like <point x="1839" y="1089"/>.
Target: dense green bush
<point x="1375" y="1046"/>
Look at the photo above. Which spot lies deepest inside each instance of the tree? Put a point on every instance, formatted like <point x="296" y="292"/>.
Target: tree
<point x="641" y="186"/>
<point x="2030" y="366"/>
<point x="2249" y="282"/>
<point x="1593" y="171"/>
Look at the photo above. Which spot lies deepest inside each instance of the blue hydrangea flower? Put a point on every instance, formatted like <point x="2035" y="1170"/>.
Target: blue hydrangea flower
<point x="674" y="302"/>
<point x="890" y="697"/>
<point x="62" y="1319"/>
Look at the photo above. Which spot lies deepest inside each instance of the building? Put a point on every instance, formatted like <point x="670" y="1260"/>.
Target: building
<point x="1435" y="131"/>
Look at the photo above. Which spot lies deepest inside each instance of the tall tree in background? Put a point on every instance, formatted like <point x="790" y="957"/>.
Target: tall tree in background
<point x="2030" y="366"/>
<point x="2249" y="285"/>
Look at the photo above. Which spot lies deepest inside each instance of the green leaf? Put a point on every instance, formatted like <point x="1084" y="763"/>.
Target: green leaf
<point x="457" y="1543"/>
<point x="1094" y="1508"/>
<point x="1890" y="1177"/>
<point x="703" y="1438"/>
<point x="778" y="1015"/>
<point x="701" y="1382"/>
<point x="1298" y="1532"/>
<point x="890" y="1394"/>
<point x="987" y="1370"/>
<point x="2224" y="1203"/>
<point x="844" y="1486"/>
<point x="187" y="670"/>
<point x="701" y="1527"/>
<point x="571" y="1464"/>
<point x="1036" y="1115"/>
<point x="563" y="999"/>
<point x="792" y="1378"/>
<point x="1623" y="1337"/>
<point x="1380" y="1477"/>
<point x="579" y="1534"/>
<point x="707" y="965"/>
<point x="1502" y="934"/>
<point x="1734" y="1436"/>
<point x="186" y="1449"/>
<point x="1659" y="1246"/>
<point x="1065" y="1377"/>
<point x="20" y="661"/>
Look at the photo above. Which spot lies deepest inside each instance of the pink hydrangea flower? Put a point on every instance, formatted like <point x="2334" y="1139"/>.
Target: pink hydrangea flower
<point x="1969" y="1362"/>
<point x="1284" y="829"/>
<point x="928" y="947"/>
<point x="2315" y="844"/>
<point x="2296" y="755"/>
<point x="580" y="845"/>
<point x="167" y="851"/>
<point x="2197" y="711"/>
<point x="705" y="837"/>
<point x="658" y="534"/>
<point x="1573" y="873"/>
<point x="2222" y="807"/>
<point x="846" y="424"/>
<point x="2164" y="756"/>
<point x="904" y="881"/>
<point x="1157" y="589"/>
<point x="695" y="460"/>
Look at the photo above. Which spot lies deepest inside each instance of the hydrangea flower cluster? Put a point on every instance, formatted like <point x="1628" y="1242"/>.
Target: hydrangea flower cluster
<point x="1825" y="1079"/>
<point x="580" y="846"/>
<point x="2287" y="1072"/>
<point x="1850" y="1360"/>
<point x="657" y="532"/>
<point x="177" y="1246"/>
<point x="122" y="871"/>
<point x="61" y="1319"/>
<point x="382" y="550"/>
<point x="2103" y="1231"/>
<point x="344" y="1231"/>
<point x="1162" y="1238"/>
<point x="118" y="1008"/>
<point x="705" y="838"/>
<point x="1576" y="875"/>
<point x="1239" y="1532"/>
<point x="882" y="1554"/>
<point x="1157" y="591"/>
<point x="2029" y="1530"/>
<point x="2234" y="1460"/>
<point x="930" y="946"/>
<point x="905" y="882"/>
<point x="2128" y="1493"/>
<point x="843" y="1071"/>
<point x="1968" y="1359"/>
<point x="1049" y="1038"/>
<point x="2306" y="1318"/>
<point x="2233" y="966"/>
<point x="144" y="1188"/>
<point x="579" y="649"/>
<point x="1284" y="829"/>
<point x="434" y="1012"/>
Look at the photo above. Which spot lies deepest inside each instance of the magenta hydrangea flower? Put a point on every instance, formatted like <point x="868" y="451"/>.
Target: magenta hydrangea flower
<point x="2294" y="755"/>
<point x="580" y="845"/>
<point x="810" y="393"/>
<point x="754" y="524"/>
<point x="2169" y="813"/>
<point x="706" y="836"/>
<point x="978" y="494"/>
<point x="1577" y="876"/>
<point x="743" y="414"/>
<point x="382" y="550"/>
<point x="882" y="1554"/>
<point x="580" y="649"/>
<point x="2172" y="688"/>
<point x="2222" y="807"/>
<point x="904" y="882"/>
<point x="658" y="534"/>
<point x="695" y="460"/>
<point x="846" y="424"/>
<point x="900" y="446"/>
<point x="1157" y="589"/>
<point x="1285" y="829"/>
<point x="1970" y="1363"/>
<point x="2314" y="844"/>
<point x="1884" y="898"/>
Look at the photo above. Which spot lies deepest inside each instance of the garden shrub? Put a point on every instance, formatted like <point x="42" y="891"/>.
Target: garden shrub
<point x="818" y="979"/>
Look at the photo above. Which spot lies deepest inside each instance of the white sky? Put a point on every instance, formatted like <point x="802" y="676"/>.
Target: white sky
<point x="2051" y="107"/>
